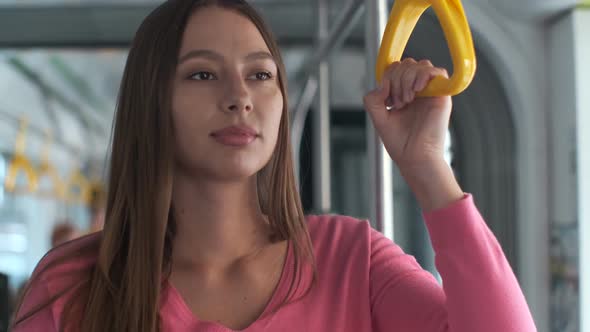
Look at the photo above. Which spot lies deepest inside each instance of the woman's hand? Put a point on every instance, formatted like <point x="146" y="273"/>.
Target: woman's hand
<point x="413" y="130"/>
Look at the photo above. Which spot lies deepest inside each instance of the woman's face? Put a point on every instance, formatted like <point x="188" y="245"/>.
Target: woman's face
<point x="226" y="103"/>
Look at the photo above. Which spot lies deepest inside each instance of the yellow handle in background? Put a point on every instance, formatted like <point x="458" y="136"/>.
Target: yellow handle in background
<point x="20" y="163"/>
<point x="402" y="21"/>
<point x="46" y="169"/>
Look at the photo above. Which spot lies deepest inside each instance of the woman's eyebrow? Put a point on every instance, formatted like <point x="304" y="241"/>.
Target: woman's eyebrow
<point x="212" y="55"/>
<point x="200" y="54"/>
<point x="260" y="55"/>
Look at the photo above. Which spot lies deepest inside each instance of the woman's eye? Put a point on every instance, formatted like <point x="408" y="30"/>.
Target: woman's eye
<point x="202" y="76"/>
<point x="263" y="76"/>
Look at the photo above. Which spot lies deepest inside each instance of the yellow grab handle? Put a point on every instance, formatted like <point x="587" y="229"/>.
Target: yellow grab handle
<point x="47" y="170"/>
<point x="20" y="163"/>
<point x="402" y="21"/>
<point x="58" y="190"/>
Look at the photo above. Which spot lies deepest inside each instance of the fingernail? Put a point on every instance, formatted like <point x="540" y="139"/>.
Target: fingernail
<point x="416" y="86"/>
<point x="410" y="96"/>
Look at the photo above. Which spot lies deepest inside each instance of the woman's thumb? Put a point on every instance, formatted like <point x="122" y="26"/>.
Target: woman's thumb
<point x="375" y="99"/>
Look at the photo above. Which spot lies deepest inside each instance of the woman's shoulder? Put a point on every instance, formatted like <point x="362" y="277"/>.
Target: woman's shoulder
<point x="334" y="224"/>
<point x="339" y="231"/>
<point x="57" y="274"/>
<point x="348" y="234"/>
<point x="78" y="255"/>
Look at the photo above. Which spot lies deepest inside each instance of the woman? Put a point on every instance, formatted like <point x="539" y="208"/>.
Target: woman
<point x="204" y="228"/>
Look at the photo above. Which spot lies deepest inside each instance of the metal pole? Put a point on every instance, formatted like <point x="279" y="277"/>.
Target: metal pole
<point x="345" y="22"/>
<point x="341" y="29"/>
<point x="581" y="24"/>
<point x="322" y="200"/>
<point x="380" y="164"/>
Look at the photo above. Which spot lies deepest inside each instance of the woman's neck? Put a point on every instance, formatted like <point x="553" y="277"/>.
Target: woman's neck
<point x="218" y="224"/>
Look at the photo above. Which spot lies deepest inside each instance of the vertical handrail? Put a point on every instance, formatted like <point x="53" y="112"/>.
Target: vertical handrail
<point x="338" y="32"/>
<point x="322" y="198"/>
<point x="380" y="164"/>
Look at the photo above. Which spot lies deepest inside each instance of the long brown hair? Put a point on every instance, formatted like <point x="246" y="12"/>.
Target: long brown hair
<point x="121" y="291"/>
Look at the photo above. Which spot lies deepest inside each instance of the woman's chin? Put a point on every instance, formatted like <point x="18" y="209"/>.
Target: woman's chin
<point x="229" y="172"/>
<point x="234" y="175"/>
<point x="225" y="169"/>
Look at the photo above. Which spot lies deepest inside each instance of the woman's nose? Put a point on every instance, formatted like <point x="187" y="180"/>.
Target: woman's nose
<point x="237" y="98"/>
<point x="239" y="105"/>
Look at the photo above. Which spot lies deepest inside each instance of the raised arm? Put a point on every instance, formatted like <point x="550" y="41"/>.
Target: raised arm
<point x="480" y="292"/>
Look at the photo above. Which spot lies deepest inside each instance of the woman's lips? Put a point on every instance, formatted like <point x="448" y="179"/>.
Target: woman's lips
<point x="235" y="135"/>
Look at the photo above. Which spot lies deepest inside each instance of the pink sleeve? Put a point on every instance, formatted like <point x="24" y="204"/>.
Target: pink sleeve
<point x="42" y="320"/>
<point x="479" y="293"/>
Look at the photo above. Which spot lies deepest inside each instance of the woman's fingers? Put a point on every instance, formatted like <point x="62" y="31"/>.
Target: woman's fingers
<point x="424" y="77"/>
<point x="407" y="78"/>
<point x="397" y="86"/>
<point x="387" y="75"/>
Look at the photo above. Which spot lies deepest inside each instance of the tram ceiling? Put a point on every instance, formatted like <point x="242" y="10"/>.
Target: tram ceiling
<point x="537" y="9"/>
<point x="293" y="21"/>
<point x="114" y="25"/>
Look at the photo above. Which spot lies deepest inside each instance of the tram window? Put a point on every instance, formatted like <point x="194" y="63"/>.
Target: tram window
<point x="70" y="93"/>
<point x="349" y="156"/>
<point x="350" y="190"/>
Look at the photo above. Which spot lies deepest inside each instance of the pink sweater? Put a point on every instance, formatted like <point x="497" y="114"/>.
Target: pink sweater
<point x="367" y="283"/>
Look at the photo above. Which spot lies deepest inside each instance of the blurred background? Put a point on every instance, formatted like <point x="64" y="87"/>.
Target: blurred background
<point x="519" y="137"/>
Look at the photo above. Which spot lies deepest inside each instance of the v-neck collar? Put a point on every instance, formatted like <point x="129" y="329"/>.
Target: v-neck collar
<point x="174" y="299"/>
